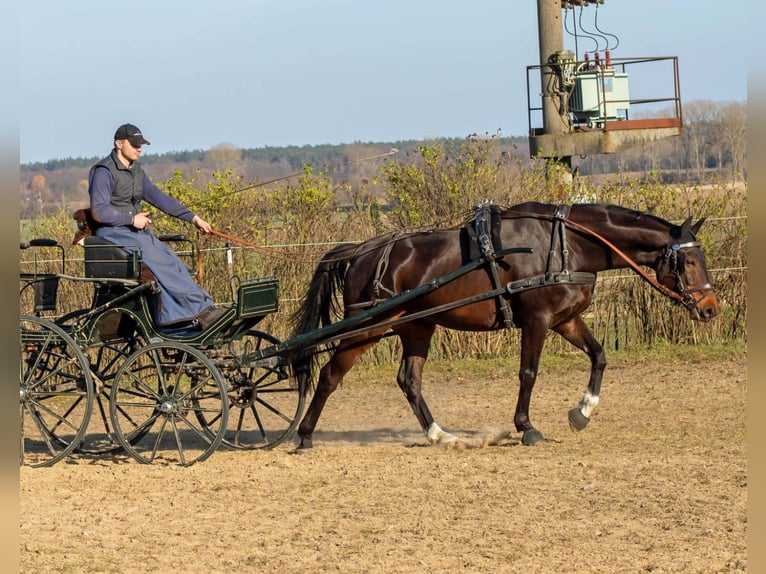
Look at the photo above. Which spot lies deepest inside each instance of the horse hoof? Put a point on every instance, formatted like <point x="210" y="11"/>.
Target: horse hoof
<point x="447" y="438"/>
<point x="306" y="443"/>
<point x="436" y="435"/>
<point x="532" y="436"/>
<point x="577" y="420"/>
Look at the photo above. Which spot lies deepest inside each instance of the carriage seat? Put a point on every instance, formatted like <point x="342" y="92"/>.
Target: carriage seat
<point x="107" y="260"/>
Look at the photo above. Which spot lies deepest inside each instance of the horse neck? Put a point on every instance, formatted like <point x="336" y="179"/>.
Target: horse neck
<point x="641" y="237"/>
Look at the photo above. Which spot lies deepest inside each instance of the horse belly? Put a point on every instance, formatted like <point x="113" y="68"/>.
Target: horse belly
<point x="479" y="316"/>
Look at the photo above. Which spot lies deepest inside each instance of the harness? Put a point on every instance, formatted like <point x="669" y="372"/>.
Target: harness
<point x="551" y="277"/>
<point x="482" y="214"/>
<point x="485" y="219"/>
<point x="562" y="277"/>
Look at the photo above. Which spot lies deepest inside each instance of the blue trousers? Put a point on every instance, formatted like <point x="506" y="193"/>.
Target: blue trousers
<point x="181" y="297"/>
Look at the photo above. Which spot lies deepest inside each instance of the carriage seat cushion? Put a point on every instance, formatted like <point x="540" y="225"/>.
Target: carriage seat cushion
<point x="105" y="260"/>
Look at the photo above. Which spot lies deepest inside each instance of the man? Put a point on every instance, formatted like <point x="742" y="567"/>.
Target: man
<point x="117" y="187"/>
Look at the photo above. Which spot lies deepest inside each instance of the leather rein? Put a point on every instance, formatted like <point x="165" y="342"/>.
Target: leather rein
<point x="684" y="296"/>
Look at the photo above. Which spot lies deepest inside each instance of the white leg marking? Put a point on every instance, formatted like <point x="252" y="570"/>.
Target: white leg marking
<point x="437" y="436"/>
<point x="588" y="404"/>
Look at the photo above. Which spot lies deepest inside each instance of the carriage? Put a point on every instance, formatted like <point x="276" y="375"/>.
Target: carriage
<point x="105" y="379"/>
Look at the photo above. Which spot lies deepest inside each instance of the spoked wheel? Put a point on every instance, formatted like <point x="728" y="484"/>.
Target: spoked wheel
<point x="56" y="392"/>
<point x="157" y="398"/>
<point x="105" y="359"/>
<point x="264" y="404"/>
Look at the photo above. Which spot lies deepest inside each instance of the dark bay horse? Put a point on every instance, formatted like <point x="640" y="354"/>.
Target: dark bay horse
<point x="539" y="263"/>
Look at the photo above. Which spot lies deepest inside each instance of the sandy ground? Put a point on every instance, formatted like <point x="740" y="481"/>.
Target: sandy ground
<point x="656" y="483"/>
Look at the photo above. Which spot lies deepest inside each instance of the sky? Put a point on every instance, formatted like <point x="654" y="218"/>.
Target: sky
<point x="196" y="74"/>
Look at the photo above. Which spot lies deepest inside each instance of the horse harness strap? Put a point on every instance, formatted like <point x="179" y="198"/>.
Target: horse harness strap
<point x="564" y="278"/>
<point x="559" y="233"/>
<point x="482" y="221"/>
<point x="550" y="277"/>
<point x="377" y="284"/>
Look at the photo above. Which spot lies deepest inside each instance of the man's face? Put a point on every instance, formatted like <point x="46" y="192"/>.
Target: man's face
<point x="129" y="151"/>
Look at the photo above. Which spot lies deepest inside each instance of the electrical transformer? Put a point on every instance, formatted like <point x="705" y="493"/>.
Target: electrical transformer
<point x="599" y="94"/>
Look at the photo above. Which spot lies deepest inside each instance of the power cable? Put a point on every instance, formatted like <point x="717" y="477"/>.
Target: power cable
<point x="595" y="23"/>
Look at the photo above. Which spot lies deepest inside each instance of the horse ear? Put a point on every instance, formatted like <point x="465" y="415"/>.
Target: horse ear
<point x="696" y="226"/>
<point x="684" y="228"/>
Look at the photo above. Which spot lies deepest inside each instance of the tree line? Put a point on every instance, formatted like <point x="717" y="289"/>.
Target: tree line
<point x="712" y="144"/>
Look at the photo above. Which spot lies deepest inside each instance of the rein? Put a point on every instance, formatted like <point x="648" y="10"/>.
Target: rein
<point x="686" y="301"/>
<point x="635" y="266"/>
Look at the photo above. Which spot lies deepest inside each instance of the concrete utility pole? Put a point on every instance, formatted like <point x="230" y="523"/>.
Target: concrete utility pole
<point x="551" y="38"/>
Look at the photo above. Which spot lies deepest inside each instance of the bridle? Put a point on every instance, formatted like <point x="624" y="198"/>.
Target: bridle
<point x="673" y="263"/>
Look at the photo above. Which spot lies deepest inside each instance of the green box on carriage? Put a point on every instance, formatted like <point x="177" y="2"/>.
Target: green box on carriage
<point x="259" y="296"/>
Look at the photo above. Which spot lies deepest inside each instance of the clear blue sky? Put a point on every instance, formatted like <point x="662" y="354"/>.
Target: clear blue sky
<point x="252" y="73"/>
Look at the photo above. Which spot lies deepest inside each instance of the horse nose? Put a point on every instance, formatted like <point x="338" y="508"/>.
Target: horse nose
<point x="708" y="308"/>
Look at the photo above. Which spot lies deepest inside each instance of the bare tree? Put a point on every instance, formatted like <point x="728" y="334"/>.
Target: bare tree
<point x="225" y="157"/>
<point x="699" y="117"/>
<point x="733" y="131"/>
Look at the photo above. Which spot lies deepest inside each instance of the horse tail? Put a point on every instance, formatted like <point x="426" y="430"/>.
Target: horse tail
<point x="319" y="305"/>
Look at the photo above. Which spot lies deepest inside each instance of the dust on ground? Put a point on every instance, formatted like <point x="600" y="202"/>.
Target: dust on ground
<point x="656" y="483"/>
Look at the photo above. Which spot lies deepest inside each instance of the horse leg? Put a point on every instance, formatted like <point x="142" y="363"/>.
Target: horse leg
<point x="577" y="333"/>
<point x="330" y="377"/>
<point x="532" y="341"/>
<point x="416" y="340"/>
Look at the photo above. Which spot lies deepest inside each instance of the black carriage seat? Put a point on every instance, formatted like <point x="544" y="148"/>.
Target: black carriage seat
<point x="107" y="260"/>
<point x="112" y="263"/>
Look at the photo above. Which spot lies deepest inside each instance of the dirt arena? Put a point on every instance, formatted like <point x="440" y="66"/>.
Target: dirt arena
<point x="656" y="483"/>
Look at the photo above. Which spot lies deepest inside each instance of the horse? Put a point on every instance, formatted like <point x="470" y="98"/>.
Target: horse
<point x="535" y="271"/>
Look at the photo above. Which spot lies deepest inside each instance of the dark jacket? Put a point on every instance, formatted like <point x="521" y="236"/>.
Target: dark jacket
<point x="116" y="192"/>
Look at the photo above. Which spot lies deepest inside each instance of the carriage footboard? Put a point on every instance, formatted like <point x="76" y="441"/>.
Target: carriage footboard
<point x="257" y="297"/>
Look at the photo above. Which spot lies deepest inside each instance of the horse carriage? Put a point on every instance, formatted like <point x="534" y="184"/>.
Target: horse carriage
<point x="105" y="379"/>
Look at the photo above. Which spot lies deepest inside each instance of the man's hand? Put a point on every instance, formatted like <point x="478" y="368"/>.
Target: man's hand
<point x="202" y="225"/>
<point x="141" y="220"/>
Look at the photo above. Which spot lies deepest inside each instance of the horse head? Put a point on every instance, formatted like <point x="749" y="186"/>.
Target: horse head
<point x="682" y="268"/>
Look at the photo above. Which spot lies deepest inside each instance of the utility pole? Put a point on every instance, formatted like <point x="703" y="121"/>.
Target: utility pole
<point x="551" y="39"/>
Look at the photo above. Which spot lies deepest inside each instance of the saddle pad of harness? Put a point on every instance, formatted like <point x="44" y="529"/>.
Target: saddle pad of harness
<point x="469" y="237"/>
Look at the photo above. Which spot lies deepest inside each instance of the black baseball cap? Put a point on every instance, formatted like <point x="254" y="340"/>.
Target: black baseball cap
<point x="131" y="133"/>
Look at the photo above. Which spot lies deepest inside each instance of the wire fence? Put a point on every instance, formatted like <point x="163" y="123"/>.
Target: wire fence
<point x="624" y="313"/>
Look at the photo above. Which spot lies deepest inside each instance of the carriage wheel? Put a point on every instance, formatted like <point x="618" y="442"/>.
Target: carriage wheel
<point x="156" y="400"/>
<point x="56" y="392"/>
<point x="105" y="359"/>
<point x="264" y="403"/>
